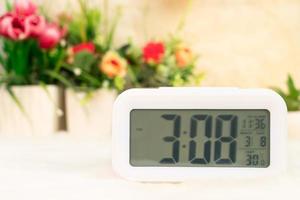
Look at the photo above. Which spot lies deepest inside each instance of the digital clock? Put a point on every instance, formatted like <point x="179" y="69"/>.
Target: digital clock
<point x="177" y="134"/>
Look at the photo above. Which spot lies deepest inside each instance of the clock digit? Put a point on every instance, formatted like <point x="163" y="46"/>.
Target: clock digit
<point x="260" y="124"/>
<point x="174" y="139"/>
<point x="255" y="159"/>
<point x="248" y="141"/>
<point x="252" y="159"/>
<point x="193" y="133"/>
<point x="223" y="139"/>
<point x="263" y="141"/>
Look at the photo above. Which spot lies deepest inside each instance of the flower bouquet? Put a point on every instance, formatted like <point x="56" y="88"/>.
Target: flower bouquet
<point x="161" y="63"/>
<point x="30" y="52"/>
<point x="93" y="70"/>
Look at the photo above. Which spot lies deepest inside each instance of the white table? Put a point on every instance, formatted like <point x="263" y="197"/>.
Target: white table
<point x="64" y="167"/>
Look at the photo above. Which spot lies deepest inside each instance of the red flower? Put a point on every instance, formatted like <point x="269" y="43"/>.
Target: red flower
<point x="153" y="52"/>
<point x="35" y="25"/>
<point x="50" y="36"/>
<point x="88" y="47"/>
<point x="24" y="7"/>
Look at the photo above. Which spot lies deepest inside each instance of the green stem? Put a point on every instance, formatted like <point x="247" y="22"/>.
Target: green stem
<point x="60" y="78"/>
<point x="105" y="16"/>
<point x="111" y="33"/>
<point x="19" y="60"/>
<point x="85" y="76"/>
<point x="182" y="21"/>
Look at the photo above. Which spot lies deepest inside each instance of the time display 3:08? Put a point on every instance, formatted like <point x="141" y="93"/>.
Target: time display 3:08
<point x="214" y="140"/>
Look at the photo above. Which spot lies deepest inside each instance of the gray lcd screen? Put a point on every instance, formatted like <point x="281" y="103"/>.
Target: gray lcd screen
<point x="200" y="138"/>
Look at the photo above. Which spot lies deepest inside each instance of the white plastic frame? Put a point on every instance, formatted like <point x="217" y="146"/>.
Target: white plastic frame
<point x="197" y="98"/>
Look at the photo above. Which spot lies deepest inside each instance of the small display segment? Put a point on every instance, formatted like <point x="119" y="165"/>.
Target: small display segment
<point x="200" y="138"/>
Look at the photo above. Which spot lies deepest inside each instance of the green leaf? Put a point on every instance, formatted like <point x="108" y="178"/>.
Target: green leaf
<point x="83" y="7"/>
<point x="198" y="78"/>
<point x="279" y="91"/>
<point x="132" y="76"/>
<point x="292" y="104"/>
<point x="291" y="98"/>
<point x="84" y="78"/>
<point x="87" y="98"/>
<point x="185" y="12"/>
<point x="84" y="26"/>
<point x="8" y="5"/>
<point x="16" y="100"/>
<point x="76" y="32"/>
<point x="112" y="30"/>
<point x="119" y="83"/>
<point x="20" y="58"/>
<point x="60" y="78"/>
<point x="293" y="91"/>
<point x="93" y="18"/>
<point x="89" y="78"/>
<point x="178" y="81"/>
<point x="2" y="62"/>
<point x="84" y="60"/>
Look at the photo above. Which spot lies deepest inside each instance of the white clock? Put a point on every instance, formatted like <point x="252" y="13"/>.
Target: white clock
<point x="178" y="134"/>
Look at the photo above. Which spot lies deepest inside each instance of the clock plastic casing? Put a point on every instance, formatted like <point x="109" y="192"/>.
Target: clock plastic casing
<point x="197" y="98"/>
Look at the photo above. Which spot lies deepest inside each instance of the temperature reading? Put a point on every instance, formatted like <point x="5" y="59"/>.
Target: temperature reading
<point x="252" y="159"/>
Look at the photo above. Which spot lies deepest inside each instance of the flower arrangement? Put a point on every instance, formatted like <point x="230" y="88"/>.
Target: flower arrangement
<point x="30" y="43"/>
<point x="81" y="55"/>
<point x="292" y="96"/>
<point x="161" y="63"/>
<point x="92" y="62"/>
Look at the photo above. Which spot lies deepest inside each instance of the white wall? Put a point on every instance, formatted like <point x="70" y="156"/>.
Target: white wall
<point x="248" y="43"/>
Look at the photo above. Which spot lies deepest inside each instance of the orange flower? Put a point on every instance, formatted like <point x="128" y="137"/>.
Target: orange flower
<point x="184" y="56"/>
<point x="113" y="65"/>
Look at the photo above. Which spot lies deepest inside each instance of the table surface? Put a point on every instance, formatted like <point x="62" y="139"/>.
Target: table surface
<point x="65" y="167"/>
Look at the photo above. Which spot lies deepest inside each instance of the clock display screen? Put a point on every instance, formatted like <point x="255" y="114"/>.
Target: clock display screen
<point x="200" y="138"/>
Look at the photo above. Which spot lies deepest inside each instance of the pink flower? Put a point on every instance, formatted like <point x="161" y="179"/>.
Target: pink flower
<point x="12" y="27"/>
<point x="50" y="36"/>
<point x="16" y="29"/>
<point x="35" y="25"/>
<point x="5" y="23"/>
<point x="24" y="7"/>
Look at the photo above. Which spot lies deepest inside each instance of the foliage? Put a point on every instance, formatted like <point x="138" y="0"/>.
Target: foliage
<point x="292" y="96"/>
<point x="26" y="64"/>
